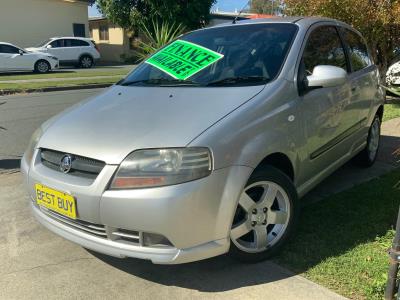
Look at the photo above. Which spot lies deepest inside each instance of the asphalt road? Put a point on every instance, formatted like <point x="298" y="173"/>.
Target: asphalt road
<point x="36" y="264"/>
<point x="22" y="114"/>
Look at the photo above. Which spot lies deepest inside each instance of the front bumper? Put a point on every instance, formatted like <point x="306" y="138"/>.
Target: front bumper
<point x="195" y="216"/>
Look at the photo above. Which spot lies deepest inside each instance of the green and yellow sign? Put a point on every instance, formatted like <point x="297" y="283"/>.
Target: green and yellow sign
<point x="183" y="59"/>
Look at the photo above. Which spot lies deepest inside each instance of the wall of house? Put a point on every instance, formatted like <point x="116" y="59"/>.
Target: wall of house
<point x="117" y="44"/>
<point x="28" y="22"/>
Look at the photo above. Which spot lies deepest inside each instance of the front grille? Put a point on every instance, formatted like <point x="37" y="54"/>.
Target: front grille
<point x="118" y="235"/>
<point x="81" y="166"/>
<point x="87" y="227"/>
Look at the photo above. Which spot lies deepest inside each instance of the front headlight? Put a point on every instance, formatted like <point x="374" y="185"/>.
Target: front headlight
<point x="161" y="167"/>
<point x="33" y="144"/>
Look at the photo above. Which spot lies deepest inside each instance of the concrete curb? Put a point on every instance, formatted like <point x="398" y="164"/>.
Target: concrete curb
<point x="54" y="89"/>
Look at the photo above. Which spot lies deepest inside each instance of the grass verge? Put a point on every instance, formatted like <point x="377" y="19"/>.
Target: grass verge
<point x="40" y="85"/>
<point x="65" y="74"/>
<point x="342" y="242"/>
<point x="391" y="111"/>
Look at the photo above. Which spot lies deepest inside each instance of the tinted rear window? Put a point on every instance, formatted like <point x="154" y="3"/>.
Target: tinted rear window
<point x="79" y="43"/>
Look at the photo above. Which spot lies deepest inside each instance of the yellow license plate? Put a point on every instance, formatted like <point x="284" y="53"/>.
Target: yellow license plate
<point x="57" y="201"/>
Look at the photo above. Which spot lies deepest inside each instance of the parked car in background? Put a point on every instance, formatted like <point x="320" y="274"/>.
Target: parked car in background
<point x="208" y="146"/>
<point x="76" y="51"/>
<point x="13" y="58"/>
<point x="393" y="74"/>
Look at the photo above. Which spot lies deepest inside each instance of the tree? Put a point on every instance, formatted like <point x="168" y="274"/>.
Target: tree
<point x="377" y="20"/>
<point x="269" y="7"/>
<point x="130" y="13"/>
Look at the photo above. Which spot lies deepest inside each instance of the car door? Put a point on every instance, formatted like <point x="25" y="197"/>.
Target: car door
<point x="363" y="76"/>
<point x="72" y="50"/>
<point x="57" y="49"/>
<point x="79" y="47"/>
<point x="13" y="60"/>
<point x="322" y="109"/>
<point x="3" y="58"/>
<point x="19" y="60"/>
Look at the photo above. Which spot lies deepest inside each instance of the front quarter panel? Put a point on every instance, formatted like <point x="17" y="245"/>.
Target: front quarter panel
<point x="264" y="125"/>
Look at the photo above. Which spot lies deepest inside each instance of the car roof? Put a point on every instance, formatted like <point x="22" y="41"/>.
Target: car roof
<point x="9" y="44"/>
<point x="71" y="37"/>
<point x="302" y="21"/>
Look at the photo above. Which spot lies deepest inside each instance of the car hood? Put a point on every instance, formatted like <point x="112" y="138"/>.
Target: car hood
<point x="34" y="49"/>
<point x="123" y="119"/>
<point x="36" y="53"/>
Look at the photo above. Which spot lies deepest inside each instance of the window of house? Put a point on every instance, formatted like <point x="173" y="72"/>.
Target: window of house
<point x="104" y="36"/>
<point x="79" y="30"/>
<point x="133" y="40"/>
<point x="357" y="49"/>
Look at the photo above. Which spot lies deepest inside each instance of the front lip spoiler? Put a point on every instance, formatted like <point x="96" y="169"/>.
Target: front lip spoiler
<point x="108" y="247"/>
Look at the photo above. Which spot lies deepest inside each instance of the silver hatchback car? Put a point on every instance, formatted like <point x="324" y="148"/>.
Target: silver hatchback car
<point x="207" y="146"/>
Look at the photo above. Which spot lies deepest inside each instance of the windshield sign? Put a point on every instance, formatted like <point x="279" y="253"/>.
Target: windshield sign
<point x="182" y="59"/>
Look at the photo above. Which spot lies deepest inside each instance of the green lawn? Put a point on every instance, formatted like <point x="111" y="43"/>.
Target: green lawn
<point x="40" y="85"/>
<point x="391" y="111"/>
<point x="87" y="77"/>
<point x="342" y="241"/>
<point x="66" y="74"/>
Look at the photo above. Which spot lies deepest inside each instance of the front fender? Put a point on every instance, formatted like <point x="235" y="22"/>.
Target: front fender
<point x="264" y="125"/>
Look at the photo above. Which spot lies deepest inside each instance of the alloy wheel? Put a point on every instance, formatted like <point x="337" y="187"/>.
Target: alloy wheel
<point x="86" y="62"/>
<point x="373" y="139"/>
<point x="261" y="218"/>
<point x="43" y="67"/>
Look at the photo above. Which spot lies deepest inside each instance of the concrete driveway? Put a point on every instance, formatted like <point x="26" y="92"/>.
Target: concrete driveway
<point x="36" y="264"/>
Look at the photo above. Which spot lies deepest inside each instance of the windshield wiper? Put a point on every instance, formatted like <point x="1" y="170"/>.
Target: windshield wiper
<point x="239" y="79"/>
<point x="161" y="82"/>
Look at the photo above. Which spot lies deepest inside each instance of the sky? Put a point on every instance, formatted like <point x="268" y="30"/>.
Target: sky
<point x="224" y="5"/>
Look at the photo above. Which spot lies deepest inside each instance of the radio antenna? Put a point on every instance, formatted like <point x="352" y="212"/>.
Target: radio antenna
<point x="240" y="12"/>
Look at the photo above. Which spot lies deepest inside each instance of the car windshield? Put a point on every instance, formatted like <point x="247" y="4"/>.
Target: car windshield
<point x="42" y="44"/>
<point x="252" y="54"/>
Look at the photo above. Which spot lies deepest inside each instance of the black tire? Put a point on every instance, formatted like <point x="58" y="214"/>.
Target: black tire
<point x="275" y="176"/>
<point x="42" y="67"/>
<point x="365" y="158"/>
<point x="86" y="62"/>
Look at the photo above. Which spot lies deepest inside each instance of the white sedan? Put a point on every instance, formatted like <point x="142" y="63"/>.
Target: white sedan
<point x="13" y="58"/>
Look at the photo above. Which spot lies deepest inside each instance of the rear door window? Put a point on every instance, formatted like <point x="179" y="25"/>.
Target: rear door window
<point x="79" y="43"/>
<point x="69" y="43"/>
<point x="357" y="49"/>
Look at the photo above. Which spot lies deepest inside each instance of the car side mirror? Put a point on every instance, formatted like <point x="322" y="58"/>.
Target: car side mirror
<point x="49" y="46"/>
<point x="21" y="52"/>
<point x="326" y="76"/>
